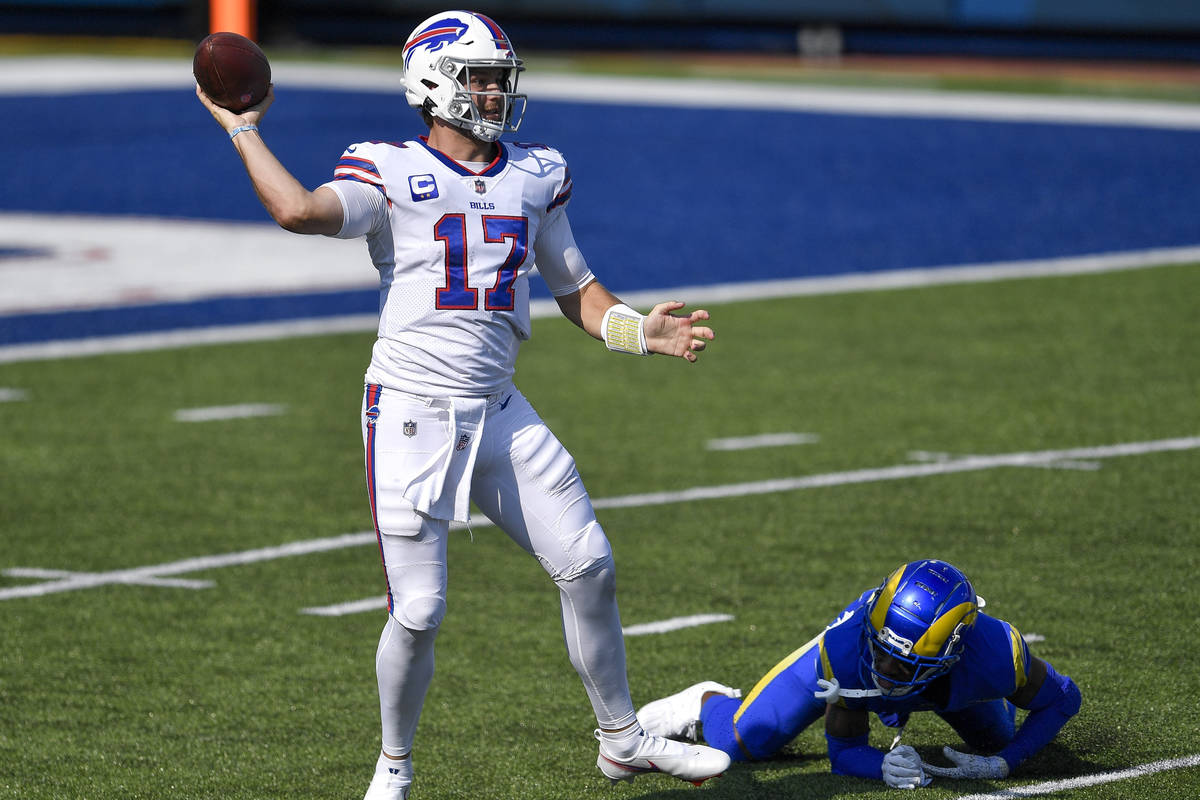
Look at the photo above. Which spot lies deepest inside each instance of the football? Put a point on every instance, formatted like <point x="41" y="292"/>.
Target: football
<point x="232" y="70"/>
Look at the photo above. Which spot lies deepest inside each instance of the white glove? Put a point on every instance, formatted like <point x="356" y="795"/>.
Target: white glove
<point x="969" y="766"/>
<point x="902" y="769"/>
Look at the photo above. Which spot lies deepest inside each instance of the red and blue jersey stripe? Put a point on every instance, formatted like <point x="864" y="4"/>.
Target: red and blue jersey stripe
<point x="373" y="393"/>
<point x="354" y="168"/>
<point x="564" y="194"/>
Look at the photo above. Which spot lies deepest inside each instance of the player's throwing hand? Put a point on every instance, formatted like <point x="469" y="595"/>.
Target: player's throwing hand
<point x="231" y="120"/>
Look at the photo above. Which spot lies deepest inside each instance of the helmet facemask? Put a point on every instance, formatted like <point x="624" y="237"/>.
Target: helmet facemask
<point x="462" y="108"/>
<point x="906" y="673"/>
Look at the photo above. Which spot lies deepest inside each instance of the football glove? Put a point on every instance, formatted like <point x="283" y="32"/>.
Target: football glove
<point x="902" y="768"/>
<point x="969" y="766"/>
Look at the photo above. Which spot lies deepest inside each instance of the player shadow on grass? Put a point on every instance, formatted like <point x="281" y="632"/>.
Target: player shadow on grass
<point x="756" y="779"/>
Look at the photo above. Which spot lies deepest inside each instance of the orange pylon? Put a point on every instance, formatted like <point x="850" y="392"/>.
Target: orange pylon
<point x="232" y="15"/>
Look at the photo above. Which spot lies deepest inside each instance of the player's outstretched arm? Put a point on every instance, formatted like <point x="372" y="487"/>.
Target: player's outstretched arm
<point x="287" y="201"/>
<point x="600" y="313"/>
<point x="1051" y="699"/>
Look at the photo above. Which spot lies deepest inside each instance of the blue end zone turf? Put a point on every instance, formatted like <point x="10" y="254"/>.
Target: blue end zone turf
<point x="74" y="324"/>
<point x="664" y="196"/>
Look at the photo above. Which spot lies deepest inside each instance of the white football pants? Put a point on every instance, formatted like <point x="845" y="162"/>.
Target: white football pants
<point x="526" y="482"/>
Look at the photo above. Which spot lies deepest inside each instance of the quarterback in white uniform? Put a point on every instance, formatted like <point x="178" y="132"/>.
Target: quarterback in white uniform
<point x="454" y="223"/>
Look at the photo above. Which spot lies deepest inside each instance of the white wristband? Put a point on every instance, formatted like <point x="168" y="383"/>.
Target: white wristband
<point x="622" y="330"/>
<point x="242" y="129"/>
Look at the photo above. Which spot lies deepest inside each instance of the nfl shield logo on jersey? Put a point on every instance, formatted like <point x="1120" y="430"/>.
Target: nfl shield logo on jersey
<point x="410" y="428"/>
<point x="480" y="186"/>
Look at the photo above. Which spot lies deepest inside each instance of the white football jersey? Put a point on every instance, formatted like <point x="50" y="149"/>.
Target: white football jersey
<point x="454" y="248"/>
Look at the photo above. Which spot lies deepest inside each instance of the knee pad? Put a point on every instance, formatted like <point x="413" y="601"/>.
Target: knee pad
<point x="587" y="552"/>
<point x="418" y="612"/>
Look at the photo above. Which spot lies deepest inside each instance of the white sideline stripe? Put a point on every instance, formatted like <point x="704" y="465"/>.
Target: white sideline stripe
<point x="239" y="411"/>
<point x="968" y="464"/>
<point x="674" y="624"/>
<point x="10" y="395"/>
<point x="163" y="340"/>
<point x="763" y="440"/>
<point x="70" y="74"/>
<point x="693" y="295"/>
<point x="1051" y="787"/>
<point x="643" y="629"/>
<point x="928" y="456"/>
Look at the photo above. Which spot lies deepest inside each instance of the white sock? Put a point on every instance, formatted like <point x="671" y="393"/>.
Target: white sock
<point x="390" y="775"/>
<point x="623" y="743"/>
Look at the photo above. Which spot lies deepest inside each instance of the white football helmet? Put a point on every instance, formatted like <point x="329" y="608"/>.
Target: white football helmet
<point x="438" y="58"/>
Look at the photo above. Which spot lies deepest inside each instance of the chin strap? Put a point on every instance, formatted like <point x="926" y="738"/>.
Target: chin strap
<point x="832" y="690"/>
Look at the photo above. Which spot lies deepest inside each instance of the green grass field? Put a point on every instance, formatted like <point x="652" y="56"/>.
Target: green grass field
<point x="151" y="691"/>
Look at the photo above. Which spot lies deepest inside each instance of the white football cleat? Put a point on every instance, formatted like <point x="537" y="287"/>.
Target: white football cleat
<point x="392" y="779"/>
<point x="694" y="763"/>
<point x="678" y="716"/>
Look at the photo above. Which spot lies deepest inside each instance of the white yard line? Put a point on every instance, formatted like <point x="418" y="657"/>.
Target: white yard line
<point x="131" y="580"/>
<point x="76" y="581"/>
<point x="1054" y="787"/>
<point x="762" y="440"/>
<point x="674" y="624"/>
<point x="239" y="411"/>
<point x="199" y="564"/>
<point x="344" y="609"/>
<point x="643" y="629"/>
<point x="930" y="457"/>
<point x="10" y="395"/>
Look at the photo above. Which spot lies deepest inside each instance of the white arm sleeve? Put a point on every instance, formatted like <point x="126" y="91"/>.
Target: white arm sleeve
<point x="364" y="207"/>
<point x="558" y="259"/>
